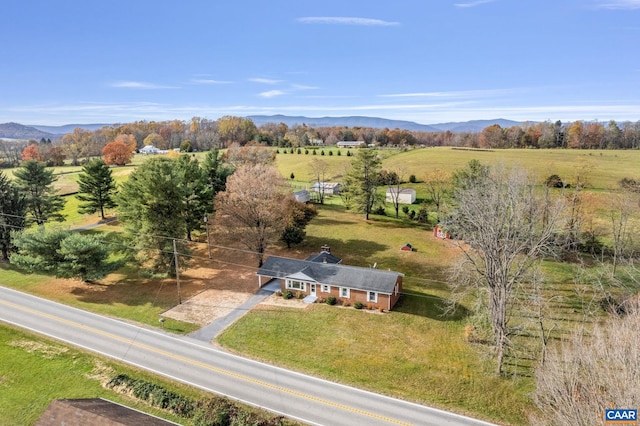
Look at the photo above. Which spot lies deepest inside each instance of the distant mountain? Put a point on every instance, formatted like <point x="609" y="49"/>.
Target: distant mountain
<point x="474" y="126"/>
<point x="20" y="131"/>
<point x="353" y="121"/>
<point x="69" y="128"/>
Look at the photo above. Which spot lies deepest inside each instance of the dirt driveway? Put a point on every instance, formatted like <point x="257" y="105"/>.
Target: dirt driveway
<point x="226" y="284"/>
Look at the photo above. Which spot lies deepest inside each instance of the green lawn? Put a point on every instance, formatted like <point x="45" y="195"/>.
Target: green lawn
<point x="34" y="371"/>
<point x="413" y="352"/>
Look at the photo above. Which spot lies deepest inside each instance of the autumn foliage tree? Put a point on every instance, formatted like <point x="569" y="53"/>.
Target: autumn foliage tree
<point x="117" y="153"/>
<point x="252" y="210"/>
<point x="31" y="152"/>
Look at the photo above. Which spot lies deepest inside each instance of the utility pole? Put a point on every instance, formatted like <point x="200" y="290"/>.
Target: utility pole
<point x="175" y="260"/>
<point x="206" y="225"/>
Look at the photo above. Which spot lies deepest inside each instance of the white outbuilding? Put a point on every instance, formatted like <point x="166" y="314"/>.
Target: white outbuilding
<point x="403" y="195"/>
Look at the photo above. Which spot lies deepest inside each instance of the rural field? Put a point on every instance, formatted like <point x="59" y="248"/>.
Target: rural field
<point x="416" y="352"/>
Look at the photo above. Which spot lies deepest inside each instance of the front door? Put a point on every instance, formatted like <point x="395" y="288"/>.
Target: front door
<point x="312" y="289"/>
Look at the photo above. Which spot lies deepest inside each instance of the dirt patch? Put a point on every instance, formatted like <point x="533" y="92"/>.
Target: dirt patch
<point x="207" y="306"/>
<point x="47" y="351"/>
<point x="275" y="300"/>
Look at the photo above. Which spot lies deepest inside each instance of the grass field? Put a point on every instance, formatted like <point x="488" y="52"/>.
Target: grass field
<point x="34" y="371"/>
<point x="413" y="352"/>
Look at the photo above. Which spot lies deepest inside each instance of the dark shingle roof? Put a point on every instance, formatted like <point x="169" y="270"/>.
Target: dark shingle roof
<point x="96" y="411"/>
<point x="323" y="257"/>
<point x="330" y="273"/>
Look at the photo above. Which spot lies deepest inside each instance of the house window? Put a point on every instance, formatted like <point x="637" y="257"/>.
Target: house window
<point x="326" y="288"/>
<point x="296" y="285"/>
<point x="372" y="296"/>
<point x="344" y="292"/>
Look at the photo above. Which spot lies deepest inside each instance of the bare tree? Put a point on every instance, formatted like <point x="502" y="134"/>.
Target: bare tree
<point x="622" y="207"/>
<point x="438" y="185"/>
<point x="500" y="215"/>
<point x="318" y="171"/>
<point x="252" y="210"/>
<point x="591" y="373"/>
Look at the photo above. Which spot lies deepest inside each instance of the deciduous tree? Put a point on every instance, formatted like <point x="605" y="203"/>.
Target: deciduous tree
<point x="35" y="182"/>
<point x="252" y="209"/>
<point x="318" y="171"/>
<point x="117" y="153"/>
<point x="438" y="185"/>
<point x="589" y="373"/>
<point x="506" y="226"/>
<point x="96" y="188"/>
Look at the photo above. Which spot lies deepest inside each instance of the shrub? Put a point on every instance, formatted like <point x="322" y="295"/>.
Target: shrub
<point x="405" y="210"/>
<point x="292" y="176"/>
<point x="330" y="153"/>
<point x="331" y="300"/>
<point x="339" y="153"/>
<point x="413" y="179"/>
<point x="554" y="181"/>
<point x="299" y="295"/>
<point x="358" y="305"/>
<point x="288" y="295"/>
<point x="322" y="152"/>
<point x="380" y="211"/>
<point x="345" y="302"/>
<point x="298" y="151"/>
<point x="306" y="151"/>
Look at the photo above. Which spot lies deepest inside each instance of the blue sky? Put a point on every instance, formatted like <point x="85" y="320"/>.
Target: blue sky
<point x="427" y="61"/>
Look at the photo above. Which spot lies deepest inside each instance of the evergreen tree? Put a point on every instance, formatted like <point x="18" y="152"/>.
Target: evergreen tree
<point x="151" y="207"/>
<point x="13" y="208"/>
<point x="362" y="181"/>
<point x="96" y="187"/>
<point x="197" y="196"/>
<point x="63" y="253"/>
<point x="35" y="183"/>
<point x="215" y="171"/>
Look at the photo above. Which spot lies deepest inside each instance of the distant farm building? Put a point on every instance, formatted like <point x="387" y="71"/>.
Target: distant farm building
<point x="350" y="144"/>
<point x="404" y="195"/>
<point x="302" y="196"/>
<point x="329" y="188"/>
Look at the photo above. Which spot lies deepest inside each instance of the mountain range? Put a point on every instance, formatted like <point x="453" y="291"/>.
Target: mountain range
<point x="37" y="132"/>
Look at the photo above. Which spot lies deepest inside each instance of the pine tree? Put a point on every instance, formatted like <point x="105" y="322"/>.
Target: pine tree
<point x="35" y="183"/>
<point x="96" y="187"/>
<point x="12" y="211"/>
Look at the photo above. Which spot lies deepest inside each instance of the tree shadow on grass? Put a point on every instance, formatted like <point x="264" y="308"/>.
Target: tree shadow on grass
<point x="358" y="252"/>
<point x="429" y="306"/>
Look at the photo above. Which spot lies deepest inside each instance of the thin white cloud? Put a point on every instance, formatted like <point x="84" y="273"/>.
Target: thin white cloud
<point x="452" y="94"/>
<point x="472" y="4"/>
<point x="271" y="94"/>
<point x="209" y="81"/>
<point x="264" y="80"/>
<point x="303" y="87"/>
<point x="343" y="20"/>
<point x="619" y="5"/>
<point x="139" y="85"/>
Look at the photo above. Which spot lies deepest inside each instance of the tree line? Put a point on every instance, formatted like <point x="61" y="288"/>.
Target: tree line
<point x="201" y="134"/>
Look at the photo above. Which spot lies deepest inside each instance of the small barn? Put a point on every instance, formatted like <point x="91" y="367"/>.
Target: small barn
<point x="350" y="144"/>
<point x="404" y="195"/>
<point x="302" y="196"/>
<point x="329" y="188"/>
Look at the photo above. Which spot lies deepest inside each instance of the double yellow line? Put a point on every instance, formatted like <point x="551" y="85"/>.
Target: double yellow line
<point x="206" y="366"/>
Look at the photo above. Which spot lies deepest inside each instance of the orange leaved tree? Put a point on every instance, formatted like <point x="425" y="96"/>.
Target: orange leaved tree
<point x="117" y="153"/>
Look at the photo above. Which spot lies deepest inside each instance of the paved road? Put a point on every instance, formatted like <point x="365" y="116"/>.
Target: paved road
<point x="190" y="361"/>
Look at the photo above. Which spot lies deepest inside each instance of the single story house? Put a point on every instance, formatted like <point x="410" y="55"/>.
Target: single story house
<point x="350" y="144"/>
<point x="404" y="195"/>
<point x="150" y="149"/>
<point x="302" y="196"/>
<point x="321" y="278"/>
<point x="330" y="188"/>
